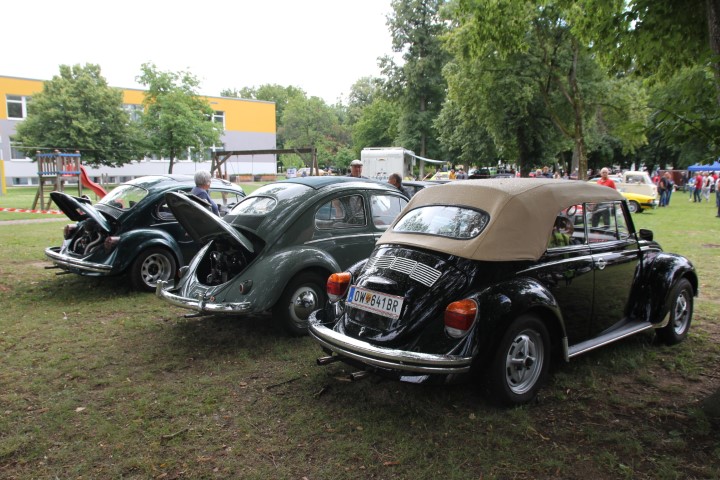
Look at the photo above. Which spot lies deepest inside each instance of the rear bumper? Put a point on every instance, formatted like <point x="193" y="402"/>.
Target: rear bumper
<point x="74" y="264"/>
<point x="387" y="358"/>
<point x="200" y="305"/>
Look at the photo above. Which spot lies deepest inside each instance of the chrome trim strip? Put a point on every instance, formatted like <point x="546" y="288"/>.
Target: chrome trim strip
<point x="62" y="260"/>
<point x="199" y="305"/>
<point x="628" y="330"/>
<point x="386" y="357"/>
<point x="336" y="237"/>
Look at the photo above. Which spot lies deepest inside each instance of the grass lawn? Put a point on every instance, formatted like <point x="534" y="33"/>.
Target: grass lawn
<point x="98" y="381"/>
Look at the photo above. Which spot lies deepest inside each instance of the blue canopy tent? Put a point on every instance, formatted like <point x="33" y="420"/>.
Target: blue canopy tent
<point x="715" y="167"/>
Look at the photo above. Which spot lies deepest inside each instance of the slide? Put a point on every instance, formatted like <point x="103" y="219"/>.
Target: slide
<point x="99" y="191"/>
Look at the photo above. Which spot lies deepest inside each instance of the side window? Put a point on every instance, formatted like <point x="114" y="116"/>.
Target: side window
<point x="623" y="230"/>
<point x="225" y="200"/>
<point x="602" y="221"/>
<point x="164" y="212"/>
<point x="343" y="212"/>
<point x="385" y="208"/>
<point x="568" y="228"/>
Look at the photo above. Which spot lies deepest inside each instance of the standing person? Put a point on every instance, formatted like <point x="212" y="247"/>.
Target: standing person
<point x="707" y="180"/>
<point x="202" y="187"/>
<point x="451" y="174"/>
<point x="461" y="175"/>
<point x="717" y="196"/>
<point x="605" y="179"/>
<point x="669" y="187"/>
<point x="698" y="188"/>
<point x="690" y="185"/>
<point x="662" y="190"/>
<point x="356" y="169"/>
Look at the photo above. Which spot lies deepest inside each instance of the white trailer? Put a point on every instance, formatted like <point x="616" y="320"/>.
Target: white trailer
<point x="380" y="162"/>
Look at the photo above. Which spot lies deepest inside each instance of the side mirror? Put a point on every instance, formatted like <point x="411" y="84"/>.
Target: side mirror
<point x="646" y="234"/>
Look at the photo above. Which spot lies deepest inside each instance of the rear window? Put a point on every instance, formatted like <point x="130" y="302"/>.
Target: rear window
<point x="254" y="206"/>
<point x="124" y="197"/>
<point x="444" y="221"/>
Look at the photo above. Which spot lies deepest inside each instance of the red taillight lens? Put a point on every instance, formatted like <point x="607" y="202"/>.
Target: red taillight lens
<point x="110" y="243"/>
<point x="69" y="231"/>
<point x="337" y="286"/>
<point x="459" y="317"/>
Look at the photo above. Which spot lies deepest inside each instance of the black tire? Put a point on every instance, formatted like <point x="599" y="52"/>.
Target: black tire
<point x="680" y="309"/>
<point x="304" y="294"/>
<point x="634" y="207"/>
<point x="520" y="364"/>
<point x="150" y="266"/>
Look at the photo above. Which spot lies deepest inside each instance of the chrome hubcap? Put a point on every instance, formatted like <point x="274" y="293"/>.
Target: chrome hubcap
<point x="155" y="267"/>
<point x="524" y="361"/>
<point x="681" y="313"/>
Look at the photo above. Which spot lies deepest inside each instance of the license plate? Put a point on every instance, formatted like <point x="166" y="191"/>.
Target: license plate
<point x="375" y="302"/>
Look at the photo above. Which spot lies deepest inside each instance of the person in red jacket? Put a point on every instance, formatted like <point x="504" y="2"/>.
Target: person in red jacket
<point x="605" y="179"/>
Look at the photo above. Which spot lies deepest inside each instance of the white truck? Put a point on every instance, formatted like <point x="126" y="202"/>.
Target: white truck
<point x="380" y="162"/>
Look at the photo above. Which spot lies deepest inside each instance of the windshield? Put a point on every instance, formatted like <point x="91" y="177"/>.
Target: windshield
<point x="452" y="222"/>
<point x="124" y="197"/>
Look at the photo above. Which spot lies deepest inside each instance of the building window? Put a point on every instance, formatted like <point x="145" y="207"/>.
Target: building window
<point x="17" y="106"/>
<point x="16" y="153"/>
<point x="134" y="111"/>
<point x="219" y="117"/>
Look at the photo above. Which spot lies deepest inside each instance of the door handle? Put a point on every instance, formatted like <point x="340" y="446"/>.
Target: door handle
<point x="601" y="263"/>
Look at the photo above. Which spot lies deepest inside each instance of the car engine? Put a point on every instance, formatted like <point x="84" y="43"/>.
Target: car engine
<point x="89" y="238"/>
<point x="225" y="262"/>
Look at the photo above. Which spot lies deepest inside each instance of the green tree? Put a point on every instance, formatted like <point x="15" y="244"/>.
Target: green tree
<point x="176" y="118"/>
<point x="311" y="122"/>
<point x="522" y="40"/>
<point x="77" y="110"/>
<point x="376" y="125"/>
<point x="417" y="85"/>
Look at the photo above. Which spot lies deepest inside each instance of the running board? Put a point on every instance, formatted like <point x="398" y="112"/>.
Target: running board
<point x="630" y="328"/>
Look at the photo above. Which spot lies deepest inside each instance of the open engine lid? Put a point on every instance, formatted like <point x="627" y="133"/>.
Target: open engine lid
<point x="201" y="224"/>
<point x="78" y="209"/>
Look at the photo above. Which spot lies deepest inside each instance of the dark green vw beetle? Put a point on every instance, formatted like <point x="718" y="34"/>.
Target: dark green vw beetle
<point x="132" y="230"/>
<point x="276" y="248"/>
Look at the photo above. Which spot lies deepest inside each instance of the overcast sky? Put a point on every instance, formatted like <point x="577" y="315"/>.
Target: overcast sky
<point x="321" y="46"/>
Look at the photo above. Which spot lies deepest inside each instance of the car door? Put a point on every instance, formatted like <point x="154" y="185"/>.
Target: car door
<point x="348" y="225"/>
<point x="616" y="258"/>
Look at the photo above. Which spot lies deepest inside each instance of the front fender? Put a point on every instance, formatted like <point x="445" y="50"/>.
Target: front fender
<point x="665" y="271"/>
<point x="136" y="241"/>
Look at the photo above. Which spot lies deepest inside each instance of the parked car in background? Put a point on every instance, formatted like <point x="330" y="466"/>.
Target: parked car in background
<point x="276" y="248"/>
<point x="637" y="202"/>
<point x="490" y="279"/>
<point x="132" y="230"/>
<point x="632" y="181"/>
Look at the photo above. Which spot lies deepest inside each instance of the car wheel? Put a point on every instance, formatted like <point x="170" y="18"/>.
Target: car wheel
<point x="680" y="309"/>
<point x="634" y="206"/>
<point x="304" y="294"/>
<point x="521" y="362"/>
<point x="150" y="266"/>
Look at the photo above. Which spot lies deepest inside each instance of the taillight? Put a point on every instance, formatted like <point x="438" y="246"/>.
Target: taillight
<point x="110" y="243"/>
<point x="459" y="317"/>
<point x="69" y="231"/>
<point x="337" y="286"/>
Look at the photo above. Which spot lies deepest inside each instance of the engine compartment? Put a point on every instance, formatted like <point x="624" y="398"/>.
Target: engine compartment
<point x="87" y="238"/>
<point x="222" y="261"/>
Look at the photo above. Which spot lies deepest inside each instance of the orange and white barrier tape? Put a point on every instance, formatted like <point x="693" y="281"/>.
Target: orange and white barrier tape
<point x="27" y="210"/>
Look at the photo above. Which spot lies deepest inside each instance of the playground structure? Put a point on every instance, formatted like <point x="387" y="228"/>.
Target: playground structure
<point x="220" y="158"/>
<point x="58" y="168"/>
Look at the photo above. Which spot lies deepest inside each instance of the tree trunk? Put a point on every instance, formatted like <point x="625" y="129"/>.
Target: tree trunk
<point x="578" y="111"/>
<point x="713" y="16"/>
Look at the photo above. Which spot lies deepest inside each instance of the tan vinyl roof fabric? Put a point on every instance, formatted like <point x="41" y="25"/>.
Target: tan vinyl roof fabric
<point x="522" y="213"/>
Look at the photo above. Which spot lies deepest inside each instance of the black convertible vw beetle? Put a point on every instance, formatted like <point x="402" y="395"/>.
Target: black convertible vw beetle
<point x="493" y="276"/>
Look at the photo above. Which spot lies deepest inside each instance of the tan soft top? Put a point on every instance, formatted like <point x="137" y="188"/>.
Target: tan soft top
<point x="522" y="212"/>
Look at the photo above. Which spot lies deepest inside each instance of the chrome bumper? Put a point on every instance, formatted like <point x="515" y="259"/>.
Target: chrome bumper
<point x="388" y="358"/>
<point x="200" y="304"/>
<point x="73" y="263"/>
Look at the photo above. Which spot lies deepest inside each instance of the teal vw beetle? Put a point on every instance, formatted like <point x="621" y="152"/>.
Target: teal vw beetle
<point x="131" y="230"/>
<point x="276" y="248"/>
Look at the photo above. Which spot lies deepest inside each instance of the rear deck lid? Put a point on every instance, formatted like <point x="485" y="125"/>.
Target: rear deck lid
<point x="78" y="209"/>
<point x="201" y="224"/>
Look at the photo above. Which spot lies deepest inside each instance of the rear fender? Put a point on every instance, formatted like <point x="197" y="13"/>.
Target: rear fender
<point x="136" y="241"/>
